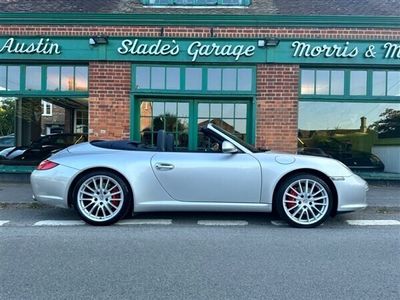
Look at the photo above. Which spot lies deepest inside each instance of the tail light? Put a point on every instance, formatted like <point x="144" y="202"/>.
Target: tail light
<point x="46" y="165"/>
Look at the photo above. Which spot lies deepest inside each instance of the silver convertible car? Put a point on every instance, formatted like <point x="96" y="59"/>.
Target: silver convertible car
<point x="107" y="180"/>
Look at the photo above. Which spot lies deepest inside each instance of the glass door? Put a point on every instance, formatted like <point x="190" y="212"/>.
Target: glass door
<point x="184" y="118"/>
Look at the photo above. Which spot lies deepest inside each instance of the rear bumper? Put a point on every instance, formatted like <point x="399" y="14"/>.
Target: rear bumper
<point x="51" y="186"/>
<point x="352" y="193"/>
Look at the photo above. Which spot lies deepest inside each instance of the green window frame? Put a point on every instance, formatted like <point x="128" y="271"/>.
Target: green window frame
<point x="378" y="92"/>
<point x="22" y="85"/>
<point x="196" y="2"/>
<point x="193" y="117"/>
<point x="152" y="83"/>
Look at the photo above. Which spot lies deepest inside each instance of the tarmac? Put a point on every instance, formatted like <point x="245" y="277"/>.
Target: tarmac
<point x="379" y="194"/>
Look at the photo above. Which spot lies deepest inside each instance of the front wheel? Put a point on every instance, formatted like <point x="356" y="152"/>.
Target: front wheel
<point x="304" y="201"/>
<point x="101" y="198"/>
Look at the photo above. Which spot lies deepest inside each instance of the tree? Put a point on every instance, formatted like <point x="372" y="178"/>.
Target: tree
<point x="389" y="124"/>
<point x="172" y="123"/>
<point x="7" y="116"/>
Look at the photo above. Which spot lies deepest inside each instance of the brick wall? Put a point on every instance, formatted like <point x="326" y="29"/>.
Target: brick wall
<point x="277" y="85"/>
<point x="109" y="104"/>
<point x="186" y="31"/>
<point x="277" y="94"/>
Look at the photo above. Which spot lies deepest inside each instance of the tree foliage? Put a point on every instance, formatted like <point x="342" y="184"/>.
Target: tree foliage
<point x="389" y="124"/>
<point x="7" y="116"/>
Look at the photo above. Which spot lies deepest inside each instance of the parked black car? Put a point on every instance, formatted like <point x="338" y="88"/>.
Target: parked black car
<point x="355" y="160"/>
<point x="40" y="149"/>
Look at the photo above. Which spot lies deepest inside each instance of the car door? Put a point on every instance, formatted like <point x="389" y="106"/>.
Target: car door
<point x="209" y="177"/>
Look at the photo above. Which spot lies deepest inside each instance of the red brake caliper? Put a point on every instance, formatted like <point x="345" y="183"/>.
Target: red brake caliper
<point x="290" y="204"/>
<point x="114" y="202"/>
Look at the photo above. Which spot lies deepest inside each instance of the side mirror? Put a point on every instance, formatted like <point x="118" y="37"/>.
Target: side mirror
<point x="228" y="147"/>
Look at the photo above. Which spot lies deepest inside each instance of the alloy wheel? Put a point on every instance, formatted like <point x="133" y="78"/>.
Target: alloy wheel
<point x="100" y="198"/>
<point x="306" y="201"/>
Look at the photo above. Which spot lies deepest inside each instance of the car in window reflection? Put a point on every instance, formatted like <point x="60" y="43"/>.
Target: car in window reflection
<point x="354" y="159"/>
<point x="7" y="141"/>
<point x="39" y="149"/>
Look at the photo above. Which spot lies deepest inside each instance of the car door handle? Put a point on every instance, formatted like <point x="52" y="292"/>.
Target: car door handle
<point x="164" y="166"/>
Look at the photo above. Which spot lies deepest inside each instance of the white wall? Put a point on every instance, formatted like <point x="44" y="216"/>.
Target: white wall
<point x="390" y="156"/>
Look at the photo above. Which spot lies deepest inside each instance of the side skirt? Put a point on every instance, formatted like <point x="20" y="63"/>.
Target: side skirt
<point x="202" y="206"/>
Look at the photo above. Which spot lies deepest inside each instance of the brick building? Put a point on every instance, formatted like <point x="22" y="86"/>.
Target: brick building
<point x="318" y="77"/>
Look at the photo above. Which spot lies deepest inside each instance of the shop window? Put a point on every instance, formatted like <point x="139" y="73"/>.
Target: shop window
<point x="386" y="83"/>
<point x="39" y="128"/>
<point x="337" y="82"/>
<point x="197" y="2"/>
<point x="229" y="79"/>
<point x="13" y="78"/>
<point x="10" y="78"/>
<point x="214" y="79"/>
<point x="157" y="78"/>
<point x="364" y="136"/>
<point x="207" y="79"/>
<point x="33" y="75"/>
<point x="307" y="82"/>
<point x="342" y="84"/>
<point x="358" y="83"/>
<point x="322" y="82"/>
<point x="142" y="77"/>
<point x="393" y="83"/>
<point x="244" y="79"/>
<point x="53" y="78"/>
<point x="39" y="78"/>
<point x="81" y="78"/>
<point x="173" y="79"/>
<point x="67" y="78"/>
<point x="193" y="79"/>
<point x="3" y="78"/>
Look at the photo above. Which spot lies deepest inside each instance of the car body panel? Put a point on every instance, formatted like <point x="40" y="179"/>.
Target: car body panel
<point x="209" y="177"/>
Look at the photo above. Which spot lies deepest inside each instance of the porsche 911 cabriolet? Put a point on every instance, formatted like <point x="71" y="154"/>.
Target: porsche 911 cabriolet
<point x="107" y="180"/>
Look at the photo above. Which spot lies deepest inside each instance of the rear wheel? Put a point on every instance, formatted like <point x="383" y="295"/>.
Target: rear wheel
<point x="304" y="200"/>
<point x="101" y="198"/>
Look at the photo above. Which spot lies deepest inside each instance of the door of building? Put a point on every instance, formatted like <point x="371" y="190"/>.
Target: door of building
<point x="184" y="118"/>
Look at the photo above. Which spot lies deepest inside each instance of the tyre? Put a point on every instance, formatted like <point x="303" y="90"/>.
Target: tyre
<point x="304" y="201"/>
<point x="101" y="198"/>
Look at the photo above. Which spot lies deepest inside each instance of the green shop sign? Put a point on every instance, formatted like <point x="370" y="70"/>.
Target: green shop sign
<point x="335" y="52"/>
<point x="199" y="50"/>
<point x="132" y="49"/>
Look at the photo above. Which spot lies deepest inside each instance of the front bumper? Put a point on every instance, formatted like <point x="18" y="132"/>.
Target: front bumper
<point x="352" y="193"/>
<point x="51" y="186"/>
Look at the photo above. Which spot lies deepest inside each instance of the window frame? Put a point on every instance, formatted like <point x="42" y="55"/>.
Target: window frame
<point x="193" y="101"/>
<point x="43" y="92"/>
<point x="45" y="106"/>
<point x="203" y="90"/>
<point x="347" y="97"/>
